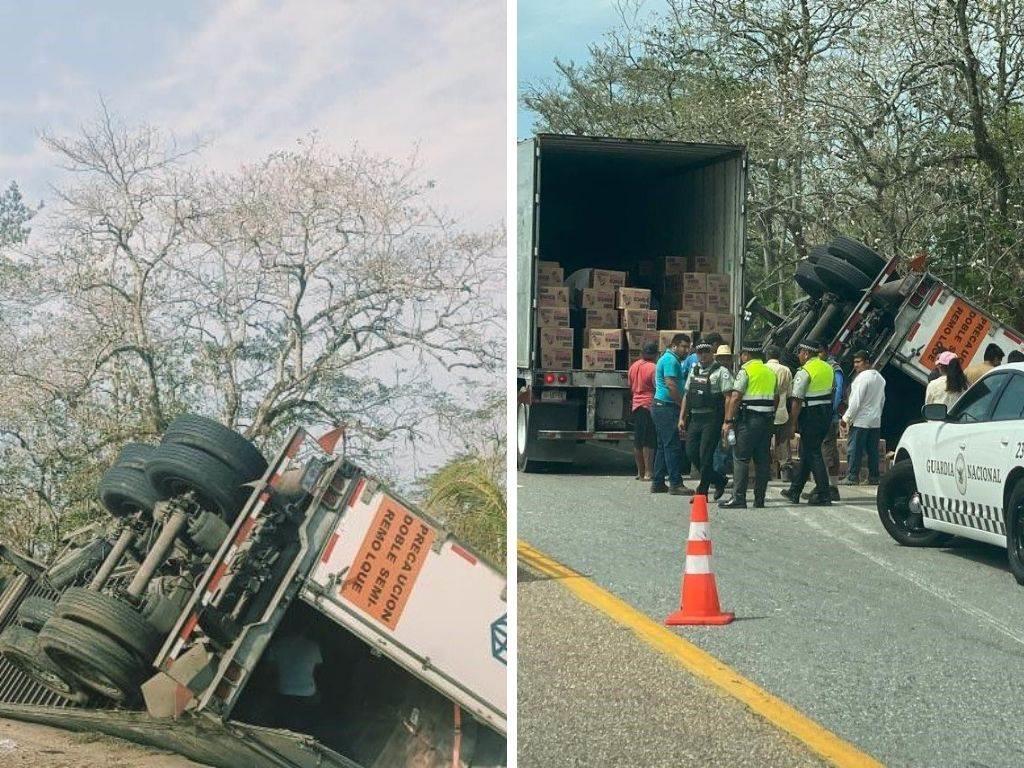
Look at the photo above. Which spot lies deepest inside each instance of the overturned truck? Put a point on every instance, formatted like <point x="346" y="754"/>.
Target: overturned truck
<point x="903" y="316"/>
<point x="220" y="575"/>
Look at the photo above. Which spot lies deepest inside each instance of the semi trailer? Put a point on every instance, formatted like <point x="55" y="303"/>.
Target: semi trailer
<point x="172" y="622"/>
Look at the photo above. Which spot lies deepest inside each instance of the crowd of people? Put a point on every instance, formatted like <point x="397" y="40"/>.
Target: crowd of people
<point x="694" y="409"/>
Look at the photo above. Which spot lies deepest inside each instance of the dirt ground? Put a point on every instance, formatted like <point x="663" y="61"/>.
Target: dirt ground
<point x="39" y="746"/>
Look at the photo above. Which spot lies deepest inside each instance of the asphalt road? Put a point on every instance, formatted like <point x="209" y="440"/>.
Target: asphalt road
<point x="916" y="656"/>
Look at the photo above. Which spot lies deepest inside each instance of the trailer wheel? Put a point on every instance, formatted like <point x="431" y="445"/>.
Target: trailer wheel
<point x="840" y="278"/>
<point x="807" y="278"/>
<point x="895" y="491"/>
<point x="77" y="563"/>
<point x="135" y="456"/>
<point x="126" y="492"/>
<point x="93" y="659"/>
<point x="34" y="612"/>
<point x="857" y="255"/>
<point x="222" y="443"/>
<point x="112" y="617"/>
<point x="20" y="647"/>
<point x="177" y="469"/>
<point x="526" y="437"/>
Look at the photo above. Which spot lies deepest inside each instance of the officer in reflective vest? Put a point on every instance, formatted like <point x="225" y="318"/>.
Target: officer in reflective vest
<point x="812" y="413"/>
<point x="702" y="414"/>
<point x="751" y="412"/>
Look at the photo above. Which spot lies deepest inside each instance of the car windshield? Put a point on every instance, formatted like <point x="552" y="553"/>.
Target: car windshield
<point x="976" y="402"/>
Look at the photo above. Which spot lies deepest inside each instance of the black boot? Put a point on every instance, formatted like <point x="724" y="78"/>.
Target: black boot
<point x="791" y="494"/>
<point x="738" y="500"/>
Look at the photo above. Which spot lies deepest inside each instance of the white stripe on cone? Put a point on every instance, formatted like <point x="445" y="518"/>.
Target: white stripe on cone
<point x="699" y="532"/>
<point x="698" y="564"/>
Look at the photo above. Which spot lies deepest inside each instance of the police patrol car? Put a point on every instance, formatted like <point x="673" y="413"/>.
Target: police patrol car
<point x="962" y="472"/>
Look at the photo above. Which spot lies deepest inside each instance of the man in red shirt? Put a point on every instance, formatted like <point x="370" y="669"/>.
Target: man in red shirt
<point x="641" y="384"/>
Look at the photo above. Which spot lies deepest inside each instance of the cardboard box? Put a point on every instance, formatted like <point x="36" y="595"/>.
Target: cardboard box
<point x="549" y="273"/>
<point x="633" y="298"/>
<point x="598" y="359"/>
<point x="676" y="265"/>
<point x="632" y="356"/>
<point x="597" y="298"/>
<point x="718" y="322"/>
<point x="548" y="317"/>
<point x="607" y="278"/>
<point x="556" y="358"/>
<point x="665" y="337"/>
<point x="716" y="281"/>
<point x="555" y="336"/>
<point x="686" y="318"/>
<point x="702" y="262"/>
<point x="718" y="302"/>
<point x="552" y="296"/>
<point x="601" y="318"/>
<point x="639" y="319"/>
<point x="604" y="338"/>
<point x="635" y="340"/>
<point x="695" y="301"/>
<point x="695" y="281"/>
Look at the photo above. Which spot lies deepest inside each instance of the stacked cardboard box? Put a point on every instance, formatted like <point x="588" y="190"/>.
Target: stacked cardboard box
<point x="549" y="273"/>
<point x="885" y="459"/>
<point x="556" y="345"/>
<point x="635" y="341"/>
<point x="552" y="318"/>
<point x="694" y="297"/>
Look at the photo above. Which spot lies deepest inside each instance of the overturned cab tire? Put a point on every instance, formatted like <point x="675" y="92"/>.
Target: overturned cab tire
<point x="224" y="444"/>
<point x="34" y="612"/>
<point x="20" y="646"/>
<point x="125" y="491"/>
<point x="77" y="563"/>
<point x="93" y="659"/>
<point x="179" y="469"/>
<point x="114" y="618"/>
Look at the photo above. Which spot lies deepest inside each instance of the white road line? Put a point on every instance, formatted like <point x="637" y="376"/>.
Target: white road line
<point x="912" y="578"/>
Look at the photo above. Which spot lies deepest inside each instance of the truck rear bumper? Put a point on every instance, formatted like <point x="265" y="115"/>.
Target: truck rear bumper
<point x="564" y="434"/>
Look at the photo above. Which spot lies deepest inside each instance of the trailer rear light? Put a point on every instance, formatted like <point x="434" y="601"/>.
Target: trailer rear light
<point x="562" y="378"/>
<point x="549" y="378"/>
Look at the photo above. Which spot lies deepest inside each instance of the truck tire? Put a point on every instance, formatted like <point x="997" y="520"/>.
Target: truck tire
<point x="816" y="253"/>
<point x="34" y="612"/>
<point x="112" y="617"/>
<point x="893" y="499"/>
<point x="134" y="456"/>
<point x="807" y="278"/>
<point x="20" y="646"/>
<point x="176" y="469"/>
<point x="77" y="563"/>
<point x="857" y="255"/>
<point x="219" y="441"/>
<point x="125" y="492"/>
<point x="93" y="659"/>
<point x="840" y="278"/>
<point x="1015" y="531"/>
<point x="526" y="436"/>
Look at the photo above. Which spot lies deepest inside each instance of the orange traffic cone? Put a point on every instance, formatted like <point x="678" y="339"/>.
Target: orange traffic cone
<point x="698" y="599"/>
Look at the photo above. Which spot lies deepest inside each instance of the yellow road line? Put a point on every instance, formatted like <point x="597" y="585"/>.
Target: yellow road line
<point x="822" y="741"/>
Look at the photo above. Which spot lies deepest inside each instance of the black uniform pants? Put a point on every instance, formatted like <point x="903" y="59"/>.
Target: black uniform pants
<point x="703" y="431"/>
<point x="753" y="441"/>
<point x="813" y="425"/>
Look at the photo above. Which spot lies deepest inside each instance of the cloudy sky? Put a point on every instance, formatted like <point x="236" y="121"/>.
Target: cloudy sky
<point x="251" y="76"/>
<point x="550" y="30"/>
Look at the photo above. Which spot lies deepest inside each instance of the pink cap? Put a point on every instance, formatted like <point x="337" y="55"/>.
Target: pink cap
<point x="946" y="358"/>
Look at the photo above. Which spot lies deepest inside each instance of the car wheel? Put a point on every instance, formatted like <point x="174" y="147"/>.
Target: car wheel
<point x="112" y="617"/>
<point x="895" y="492"/>
<point x="177" y="469"/>
<point x="20" y="647"/>
<point x="95" y="660"/>
<point x="219" y="441"/>
<point x="34" y="612"/>
<point x="1015" y="532"/>
<point x="125" y="492"/>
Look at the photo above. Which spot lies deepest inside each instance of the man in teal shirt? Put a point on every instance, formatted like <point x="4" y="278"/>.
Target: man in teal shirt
<point x="668" y="394"/>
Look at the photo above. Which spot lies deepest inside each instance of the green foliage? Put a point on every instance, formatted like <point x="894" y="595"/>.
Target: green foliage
<point x="468" y="494"/>
<point x="14" y="216"/>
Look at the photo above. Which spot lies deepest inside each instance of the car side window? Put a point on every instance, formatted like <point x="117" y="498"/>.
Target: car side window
<point x="1011" y="401"/>
<point x="975" y="404"/>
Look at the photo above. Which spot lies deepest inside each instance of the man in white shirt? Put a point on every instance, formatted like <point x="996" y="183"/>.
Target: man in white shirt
<point x="784" y="379"/>
<point x="864" y="417"/>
